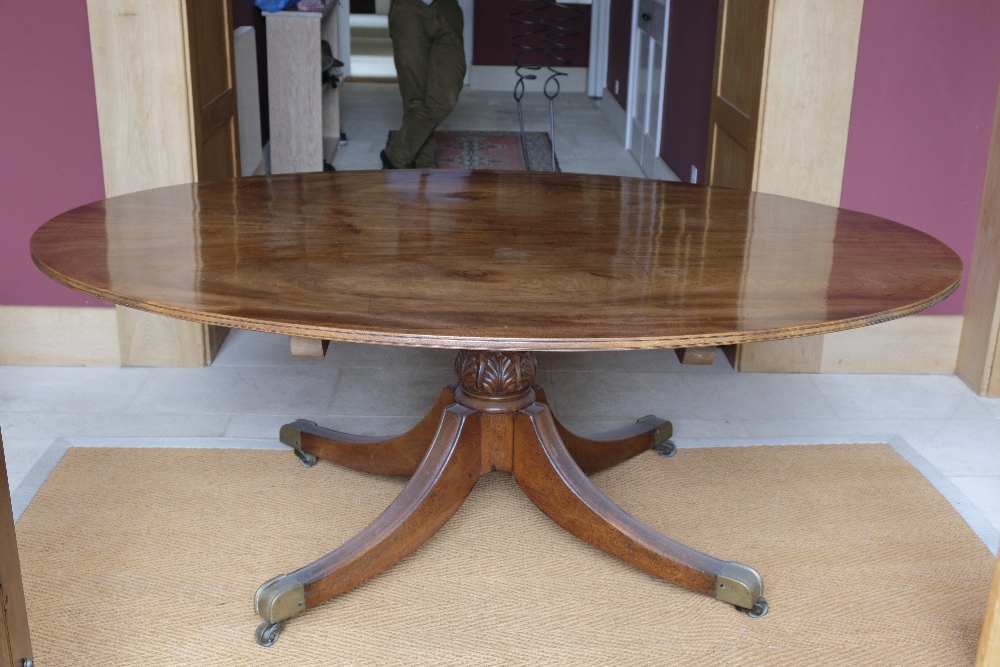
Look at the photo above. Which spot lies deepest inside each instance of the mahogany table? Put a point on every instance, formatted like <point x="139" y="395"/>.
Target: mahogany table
<point x="498" y="266"/>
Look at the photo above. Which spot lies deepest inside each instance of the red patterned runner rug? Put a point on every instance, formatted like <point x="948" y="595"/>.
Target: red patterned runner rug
<point x="493" y="150"/>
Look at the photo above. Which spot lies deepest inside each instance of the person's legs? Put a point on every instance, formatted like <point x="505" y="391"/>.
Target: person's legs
<point x="446" y="72"/>
<point x="443" y="72"/>
<point x="411" y="54"/>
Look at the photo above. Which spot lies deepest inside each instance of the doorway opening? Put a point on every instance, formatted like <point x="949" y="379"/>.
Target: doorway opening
<point x="370" y="45"/>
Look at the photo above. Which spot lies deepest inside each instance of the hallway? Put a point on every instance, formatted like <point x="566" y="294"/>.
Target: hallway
<point x="584" y="143"/>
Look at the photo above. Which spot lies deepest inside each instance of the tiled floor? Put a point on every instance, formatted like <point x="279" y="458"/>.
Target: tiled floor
<point x="254" y="386"/>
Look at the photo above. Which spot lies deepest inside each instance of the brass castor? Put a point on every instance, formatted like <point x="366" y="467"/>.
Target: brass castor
<point x="267" y="633"/>
<point x="756" y="611"/>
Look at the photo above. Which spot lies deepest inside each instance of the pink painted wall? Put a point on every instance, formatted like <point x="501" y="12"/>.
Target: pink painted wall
<point x="924" y="97"/>
<point x="50" y="153"/>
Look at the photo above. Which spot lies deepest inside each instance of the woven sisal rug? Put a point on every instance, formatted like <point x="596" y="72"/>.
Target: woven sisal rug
<point x="493" y="150"/>
<point x="136" y="557"/>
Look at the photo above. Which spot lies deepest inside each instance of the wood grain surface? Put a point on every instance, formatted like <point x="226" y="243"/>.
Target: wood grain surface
<point x="495" y="260"/>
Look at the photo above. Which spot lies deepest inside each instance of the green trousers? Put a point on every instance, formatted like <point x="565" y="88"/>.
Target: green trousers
<point x="430" y="66"/>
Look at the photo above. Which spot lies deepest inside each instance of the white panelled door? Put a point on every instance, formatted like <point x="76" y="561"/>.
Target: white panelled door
<point x="648" y="67"/>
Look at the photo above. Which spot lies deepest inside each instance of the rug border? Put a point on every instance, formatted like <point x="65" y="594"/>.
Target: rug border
<point x="973" y="517"/>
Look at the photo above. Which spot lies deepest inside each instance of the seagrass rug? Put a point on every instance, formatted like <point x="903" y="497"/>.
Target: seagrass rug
<point x="136" y="557"/>
<point x="493" y="150"/>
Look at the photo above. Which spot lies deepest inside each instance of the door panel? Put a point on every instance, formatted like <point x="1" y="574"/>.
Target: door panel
<point x="739" y="69"/>
<point x="730" y="160"/>
<point x="213" y="76"/>
<point x="647" y="107"/>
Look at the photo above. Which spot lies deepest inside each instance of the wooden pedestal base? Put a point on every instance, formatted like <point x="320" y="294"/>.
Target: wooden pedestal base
<point x="494" y="419"/>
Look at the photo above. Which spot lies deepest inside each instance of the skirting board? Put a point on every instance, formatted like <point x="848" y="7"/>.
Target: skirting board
<point x="58" y="336"/>
<point x="919" y="344"/>
<point x="503" y="78"/>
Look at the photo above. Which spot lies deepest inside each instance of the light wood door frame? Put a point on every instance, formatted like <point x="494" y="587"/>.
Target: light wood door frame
<point x="148" y="128"/>
<point x="979" y="350"/>
<point x="797" y="143"/>
<point x="15" y="641"/>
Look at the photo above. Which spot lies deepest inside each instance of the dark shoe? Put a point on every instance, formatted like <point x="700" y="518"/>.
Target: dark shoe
<point x="386" y="162"/>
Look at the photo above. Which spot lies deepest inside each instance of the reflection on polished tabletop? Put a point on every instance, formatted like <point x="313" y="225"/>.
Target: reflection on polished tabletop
<point x="514" y="261"/>
<point x="496" y="265"/>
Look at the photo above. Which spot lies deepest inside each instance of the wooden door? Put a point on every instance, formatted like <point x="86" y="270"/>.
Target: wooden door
<point x="213" y="88"/>
<point x="648" y="69"/>
<point x="214" y="104"/>
<point x="741" y="42"/>
<point x="15" y="644"/>
<point x="163" y="77"/>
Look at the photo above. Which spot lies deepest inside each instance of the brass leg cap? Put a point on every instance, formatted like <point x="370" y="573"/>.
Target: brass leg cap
<point x="279" y="599"/>
<point x="739" y="585"/>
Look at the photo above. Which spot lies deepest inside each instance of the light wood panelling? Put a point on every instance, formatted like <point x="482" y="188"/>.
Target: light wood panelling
<point x="153" y="340"/>
<point x="56" y="336"/>
<point x="798" y="355"/>
<point x="146" y="115"/>
<point x="979" y="354"/>
<point x="806" y="104"/>
<point x="927" y="344"/>
<point x="989" y="641"/>
<point x="143" y="94"/>
<point x="15" y="642"/>
<point x="993" y="388"/>
<point x="805" y="107"/>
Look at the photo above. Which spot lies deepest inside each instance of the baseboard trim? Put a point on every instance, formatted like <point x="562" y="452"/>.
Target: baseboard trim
<point x="919" y="344"/>
<point x="58" y="336"/>
<point x="614" y="114"/>
<point x="67" y="336"/>
<point x="503" y="78"/>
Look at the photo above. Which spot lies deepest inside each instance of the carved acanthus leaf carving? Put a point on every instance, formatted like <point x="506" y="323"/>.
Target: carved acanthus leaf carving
<point x="495" y="374"/>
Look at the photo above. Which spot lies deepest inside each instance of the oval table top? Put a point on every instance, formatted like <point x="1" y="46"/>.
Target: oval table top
<point x="495" y="260"/>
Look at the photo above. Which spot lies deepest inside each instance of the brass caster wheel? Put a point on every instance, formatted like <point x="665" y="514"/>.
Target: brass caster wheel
<point x="267" y="633"/>
<point x="307" y="460"/>
<point x="758" y="610"/>
<point x="666" y="449"/>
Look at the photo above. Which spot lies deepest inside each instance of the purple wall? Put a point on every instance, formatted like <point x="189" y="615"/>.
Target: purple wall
<point x="924" y="96"/>
<point x="492" y="31"/>
<point x="50" y="160"/>
<point x="688" y="94"/>
<point x="619" y="45"/>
